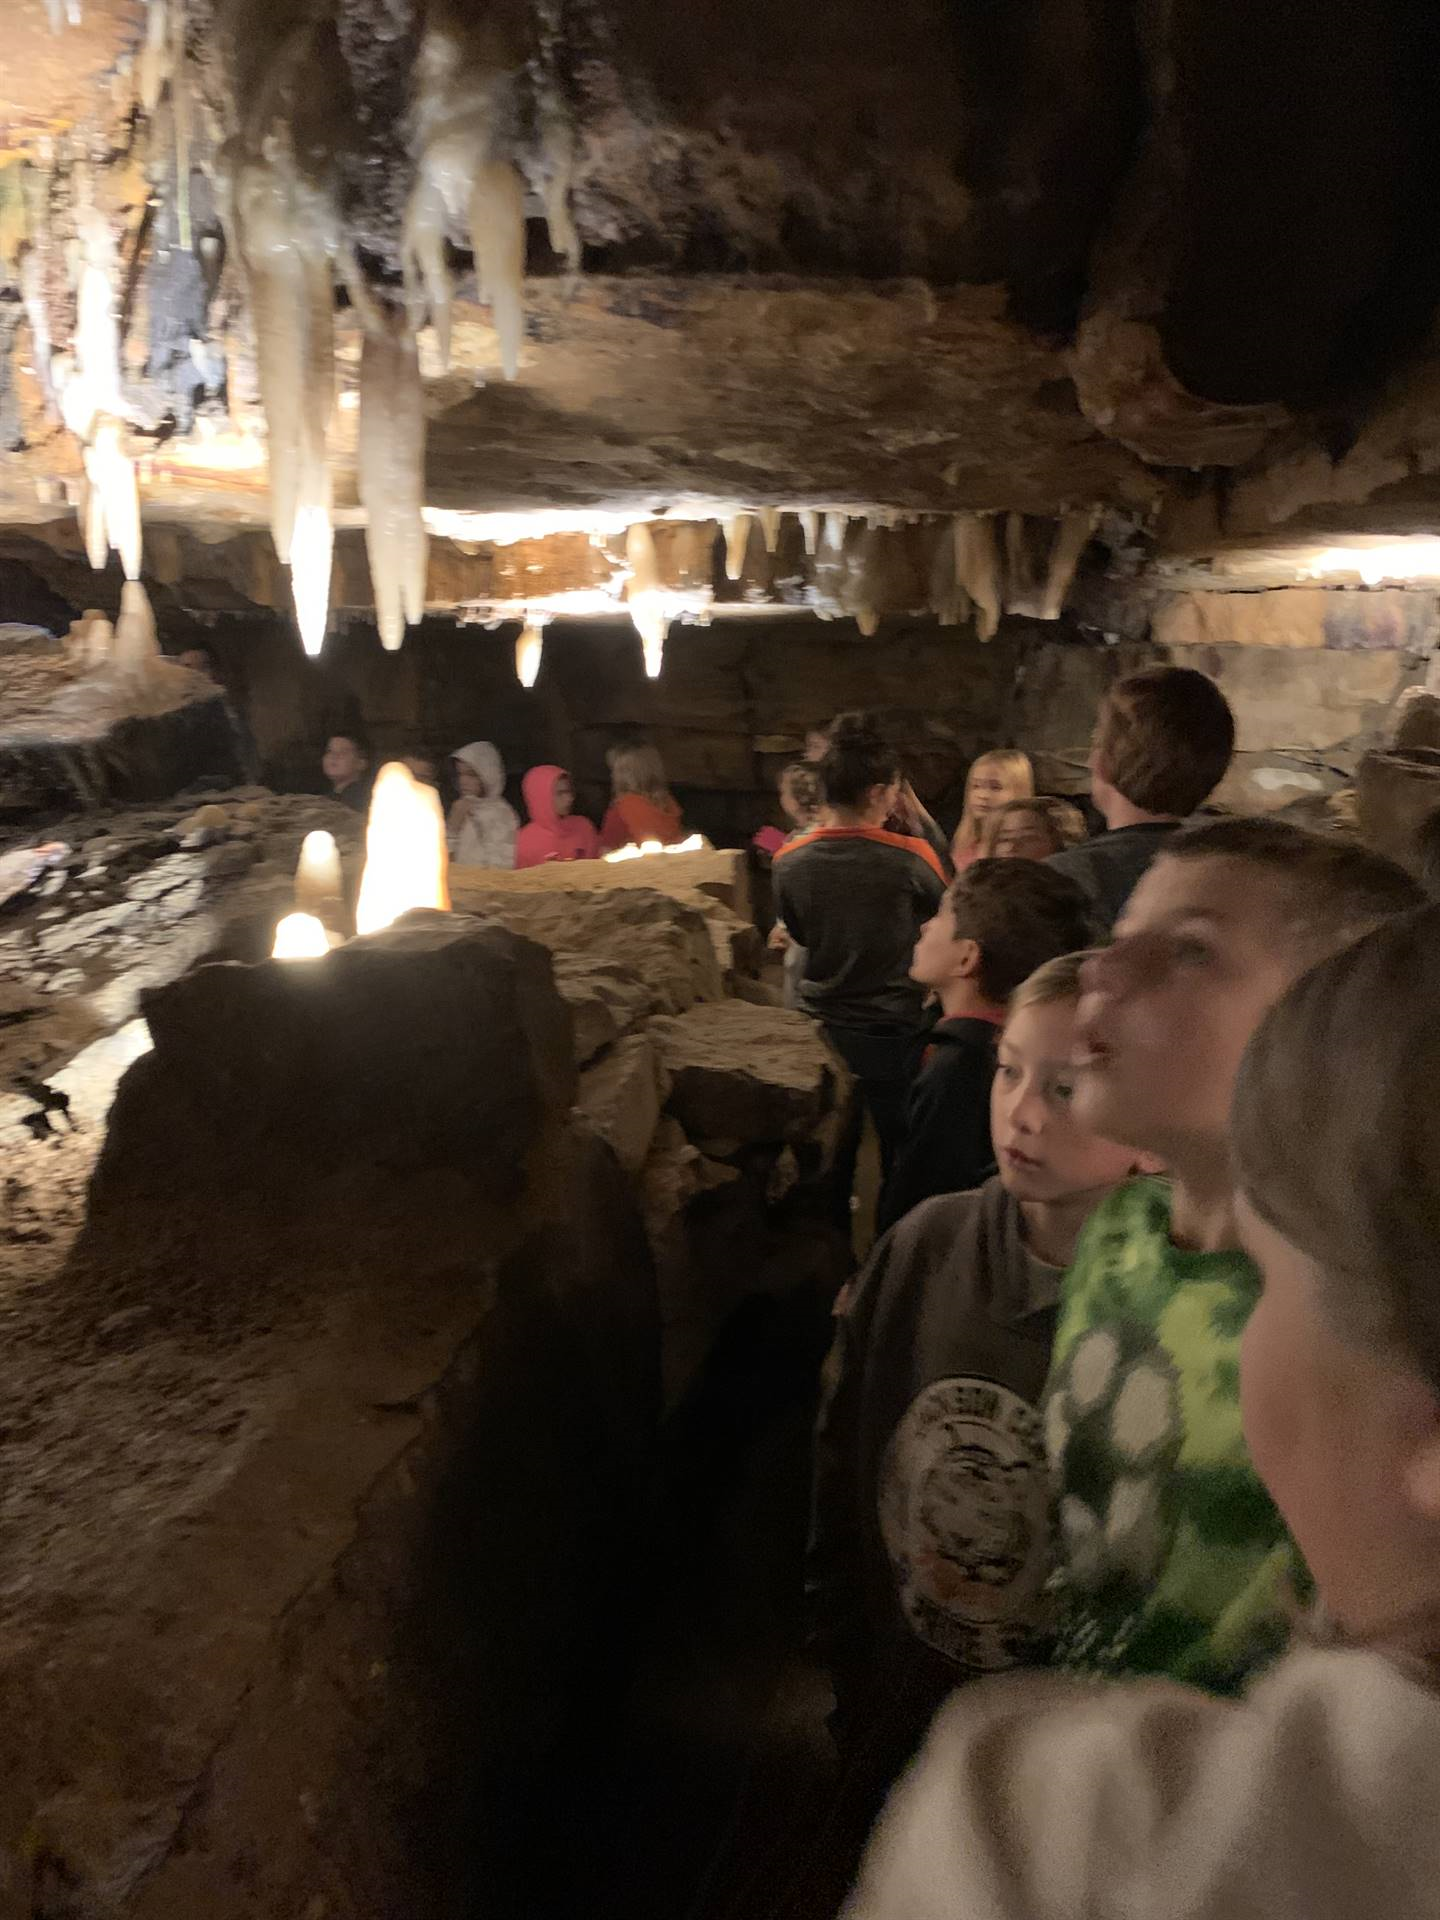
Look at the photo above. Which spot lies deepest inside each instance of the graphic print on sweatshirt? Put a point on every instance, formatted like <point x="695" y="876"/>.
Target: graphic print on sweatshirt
<point x="964" y="1509"/>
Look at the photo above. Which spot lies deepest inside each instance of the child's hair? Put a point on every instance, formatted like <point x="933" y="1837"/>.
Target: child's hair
<point x="1059" y="979"/>
<point x="1164" y="739"/>
<point x="1337" y="1133"/>
<point x="1064" y="823"/>
<point x="359" y="741"/>
<point x="1333" y="890"/>
<point x="806" y="790"/>
<point x="1014" y="768"/>
<point x="638" y="770"/>
<point x="856" y="760"/>
<point x="1020" y="914"/>
<point x="1427" y="853"/>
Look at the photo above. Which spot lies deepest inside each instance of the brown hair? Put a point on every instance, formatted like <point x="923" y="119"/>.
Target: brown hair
<point x="1020" y="914"/>
<point x="1065" y="823"/>
<point x="1012" y="765"/>
<point x="1336" y="1133"/>
<point x="803" y="780"/>
<point x="1333" y="890"/>
<point x="1059" y="979"/>
<point x="639" y="770"/>
<point x="1164" y="738"/>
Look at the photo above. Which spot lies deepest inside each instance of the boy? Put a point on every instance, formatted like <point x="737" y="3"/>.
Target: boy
<point x="1316" y="1795"/>
<point x="997" y="923"/>
<point x="1162" y="744"/>
<point x="346" y="765"/>
<point x="930" y="1539"/>
<point x="1172" y="1557"/>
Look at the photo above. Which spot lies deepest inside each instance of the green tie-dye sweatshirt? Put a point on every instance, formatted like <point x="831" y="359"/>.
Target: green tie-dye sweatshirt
<point x="1172" y="1556"/>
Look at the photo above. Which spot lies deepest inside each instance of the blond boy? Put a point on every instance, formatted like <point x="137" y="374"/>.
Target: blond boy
<point x="1173" y="1558"/>
<point x="1315" y="1796"/>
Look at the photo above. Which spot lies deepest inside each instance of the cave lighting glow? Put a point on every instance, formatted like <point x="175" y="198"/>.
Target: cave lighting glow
<point x="1413" y="558"/>
<point x="406" y="863"/>
<point x="529" y="650"/>
<point x="300" y="936"/>
<point x="311" y="551"/>
<point x="695" y="844"/>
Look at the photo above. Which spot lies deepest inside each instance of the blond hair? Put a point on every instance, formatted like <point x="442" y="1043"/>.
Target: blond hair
<point x="1057" y="980"/>
<point x="1015" y="769"/>
<point x="639" y="770"/>
<point x="1064" y="821"/>
<point x="1336" y="1133"/>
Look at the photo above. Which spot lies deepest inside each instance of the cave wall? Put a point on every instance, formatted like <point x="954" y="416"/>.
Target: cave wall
<point x="1312" y="675"/>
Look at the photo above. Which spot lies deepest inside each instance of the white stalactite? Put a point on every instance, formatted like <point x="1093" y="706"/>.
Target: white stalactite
<point x="1071" y="538"/>
<point x="977" y="568"/>
<point x="868" y="621"/>
<point x="391" y="478"/>
<point x="810" y="528"/>
<point x="311" y="554"/>
<point x="497" y="235"/>
<point x="834" y="534"/>
<point x="111" y="510"/>
<point x="154" y="62"/>
<point x="770" y="527"/>
<point x="737" y="539"/>
<point x="645" y="596"/>
<point x="529" y="653"/>
<point x="557" y="148"/>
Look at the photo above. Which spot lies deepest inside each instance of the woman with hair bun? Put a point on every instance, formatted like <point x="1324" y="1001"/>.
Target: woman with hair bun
<point x="854" y="895"/>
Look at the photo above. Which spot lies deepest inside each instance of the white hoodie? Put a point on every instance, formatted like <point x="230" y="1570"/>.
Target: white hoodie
<point x="1316" y="1797"/>
<point x="482" y="830"/>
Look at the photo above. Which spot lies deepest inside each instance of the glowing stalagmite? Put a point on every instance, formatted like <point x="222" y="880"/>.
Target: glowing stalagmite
<point x="319" y="889"/>
<point x="391" y="476"/>
<point x="300" y="936"/>
<point x="406" y="863"/>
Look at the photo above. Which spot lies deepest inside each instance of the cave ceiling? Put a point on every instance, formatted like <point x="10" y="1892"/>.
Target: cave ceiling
<point x="955" y="287"/>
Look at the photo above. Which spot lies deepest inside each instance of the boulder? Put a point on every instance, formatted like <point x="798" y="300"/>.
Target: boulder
<point x="621" y="1095"/>
<point x="605" y="1000"/>
<point x="748" y="1073"/>
<point x="1396" y="793"/>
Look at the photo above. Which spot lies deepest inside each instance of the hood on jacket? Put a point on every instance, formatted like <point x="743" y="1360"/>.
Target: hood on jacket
<point x="538" y="786"/>
<point x="483" y="758"/>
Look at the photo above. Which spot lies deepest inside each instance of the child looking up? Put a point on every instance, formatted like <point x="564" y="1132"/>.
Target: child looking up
<point x="1173" y="1558"/>
<point x="482" y="825"/>
<point x="1002" y="774"/>
<point x="555" y="831"/>
<point x="1315" y="1796"/>
<point x="931" y="1515"/>
<point x="1163" y="741"/>
<point x="999" y="921"/>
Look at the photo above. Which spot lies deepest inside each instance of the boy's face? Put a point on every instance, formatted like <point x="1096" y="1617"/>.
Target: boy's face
<point x="343" y="761"/>
<point x="1336" y="1433"/>
<point x="1200" y="955"/>
<point x="1043" y="1152"/>
<point x="941" y="954"/>
<point x="1022" y="836"/>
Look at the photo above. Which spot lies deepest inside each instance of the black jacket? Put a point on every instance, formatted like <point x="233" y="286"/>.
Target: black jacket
<point x="855" y="898"/>
<point x="1108" y="866"/>
<point x="947" y="1125"/>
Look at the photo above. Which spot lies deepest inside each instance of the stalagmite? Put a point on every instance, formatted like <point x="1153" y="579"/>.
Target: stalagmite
<point x="1070" y="540"/>
<point x="737" y="539"/>
<point x="136" y="642"/>
<point x="391" y="477"/>
<point x="497" y="235"/>
<point x="405" y="859"/>
<point x="810" y="528"/>
<point x="319" y="884"/>
<point x="977" y="568"/>
<point x="770" y="527"/>
<point x="529" y="651"/>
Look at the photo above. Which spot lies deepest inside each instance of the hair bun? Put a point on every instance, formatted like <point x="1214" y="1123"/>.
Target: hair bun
<point x="854" y="730"/>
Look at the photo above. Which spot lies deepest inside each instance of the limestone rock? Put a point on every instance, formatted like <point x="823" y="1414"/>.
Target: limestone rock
<point x="1396" y="793"/>
<point x="605" y="1000"/>
<point x="622" y="1095"/>
<point x="749" y="1073"/>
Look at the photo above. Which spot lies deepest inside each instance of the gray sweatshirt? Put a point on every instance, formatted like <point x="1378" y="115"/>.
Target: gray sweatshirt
<point x="930" y="1528"/>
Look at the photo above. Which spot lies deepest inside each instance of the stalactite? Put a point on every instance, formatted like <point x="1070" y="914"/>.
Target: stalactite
<point x="835" y="525"/>
<point x="136" y="642"/>
<point x="949" y="601"/>
<point x="770" y="527"/>
<point x="497" y="235"/>
<point x="557" y="150"/>
<point x="977" y="568"/>
<point x="427" y="278"/>
<point x="868" y="621"/>
<point x="311" y="554"/>
<point x="737" y="538"/>
<point x="530" y="651"/>
<point x="1071" y="537"/>
<point x="391" y="476"/>
<point x="645" y="596"/>
<point x="111" y="508"/>
<point x="154" y="62"/>
<point x="1023" y="589"/>
<point x="810" y="529"/>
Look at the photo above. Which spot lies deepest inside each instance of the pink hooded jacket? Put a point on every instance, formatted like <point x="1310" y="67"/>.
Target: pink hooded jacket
<point x="547" y="838"/>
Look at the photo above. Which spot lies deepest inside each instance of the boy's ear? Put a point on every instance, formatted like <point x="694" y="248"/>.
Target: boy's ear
<point x="967" y="959"/>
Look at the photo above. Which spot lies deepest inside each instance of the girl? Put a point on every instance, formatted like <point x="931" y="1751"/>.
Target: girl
<point x="1315" y="1793"/>
<point x="482" y="825"/>
<point x="643" y="807"/>
<point x="555" y="831"/>
<point x="1033" y="829"/>
<point x="998" y="776"/>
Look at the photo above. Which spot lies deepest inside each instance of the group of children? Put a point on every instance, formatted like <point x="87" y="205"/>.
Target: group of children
<point x="484" y="830"/>
<point x="1159" y="1398"/>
